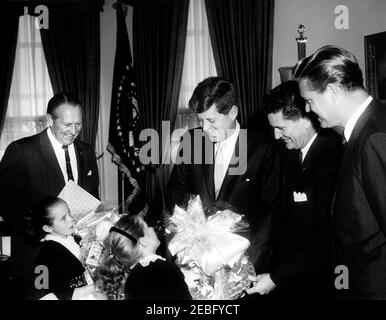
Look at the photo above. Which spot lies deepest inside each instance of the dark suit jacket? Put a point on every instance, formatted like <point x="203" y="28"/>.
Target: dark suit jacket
<point x="253" y="193"/>
<point x="29" y="171"/>
<point x="360" y="207"/>
<point x="302" y="267"/>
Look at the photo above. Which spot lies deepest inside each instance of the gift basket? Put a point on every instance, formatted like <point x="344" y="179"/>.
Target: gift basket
<point x="209" y="253"/>
<point x="94" y="229"/>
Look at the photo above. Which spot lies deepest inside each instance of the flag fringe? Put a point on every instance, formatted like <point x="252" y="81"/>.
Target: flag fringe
<point x="118" y="161"/>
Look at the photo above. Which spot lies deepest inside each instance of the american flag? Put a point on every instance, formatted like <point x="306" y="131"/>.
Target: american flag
<point x="125" y="124"/>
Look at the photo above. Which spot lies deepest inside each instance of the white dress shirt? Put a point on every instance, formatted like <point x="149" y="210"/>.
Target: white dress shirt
<point x="305" y="149"/>
<point x="59" y="152"/>
<point x="223" y="155"/>
<point x="354" y="118"/>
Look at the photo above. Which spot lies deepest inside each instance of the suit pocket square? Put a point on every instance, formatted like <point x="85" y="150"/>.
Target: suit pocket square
<point x="89" y="173"/>
<point x="300" y="197"/>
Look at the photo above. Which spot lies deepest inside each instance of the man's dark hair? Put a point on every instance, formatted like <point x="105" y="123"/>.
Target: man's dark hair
<point x="214" y="90"/>
<point x="287" y="99"/>
<point x="62" y="98"/>
<point x="330" y="64"/>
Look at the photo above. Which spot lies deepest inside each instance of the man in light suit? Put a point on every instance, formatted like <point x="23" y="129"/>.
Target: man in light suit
<point x="39" y="166"/>
<point x="232" y="168"/>
<point x="302" y="264"/>
<point x="331" y="82"/>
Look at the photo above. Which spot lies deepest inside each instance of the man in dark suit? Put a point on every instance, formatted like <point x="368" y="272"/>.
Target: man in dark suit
<point x="228" y="166"/>
<point x="302" y="264"/>
<point x="331" y="82"/>
<point x="39" y="166"/>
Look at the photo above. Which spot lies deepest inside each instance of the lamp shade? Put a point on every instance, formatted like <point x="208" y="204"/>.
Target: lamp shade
<point x="286" y="73"/>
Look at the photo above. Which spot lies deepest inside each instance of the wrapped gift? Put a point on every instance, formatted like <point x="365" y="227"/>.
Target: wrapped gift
<point x="209" y="253"/>
<point x="93" y="229"/>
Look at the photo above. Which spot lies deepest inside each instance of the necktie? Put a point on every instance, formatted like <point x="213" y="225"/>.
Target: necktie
<point x="300" y="158"/>
<point x="68" y="163"/>
<point x="218" y="169"/>
<point x="344" y="141"/>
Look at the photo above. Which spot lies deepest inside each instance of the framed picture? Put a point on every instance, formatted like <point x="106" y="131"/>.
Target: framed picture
<point x="375" y="56"/>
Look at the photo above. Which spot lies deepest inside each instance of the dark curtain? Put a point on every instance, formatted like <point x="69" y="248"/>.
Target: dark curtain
<point x="159" y="35"/>
<point x="9" y="25"/>
<point x="72" y="49"/>
<point x="242" y="33"/>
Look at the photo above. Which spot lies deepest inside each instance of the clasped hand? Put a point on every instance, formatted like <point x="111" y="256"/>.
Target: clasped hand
<point x="262" y="284"/>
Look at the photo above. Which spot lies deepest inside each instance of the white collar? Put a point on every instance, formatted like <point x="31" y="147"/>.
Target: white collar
<point x="349" y="127"/>
<point x="68" y="242"/>
<point x="55" y="143"/>
<point x="308" y="146"/>
<point x="144" y="262"/>
<point x="231" y="140"/>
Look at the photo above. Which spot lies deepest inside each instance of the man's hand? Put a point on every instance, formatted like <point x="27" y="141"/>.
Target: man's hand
<point x="263" y="284"/>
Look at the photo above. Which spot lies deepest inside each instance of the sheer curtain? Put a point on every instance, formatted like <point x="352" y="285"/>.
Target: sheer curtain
<point x="198" y="65"/>
<point x="30" y="89"/>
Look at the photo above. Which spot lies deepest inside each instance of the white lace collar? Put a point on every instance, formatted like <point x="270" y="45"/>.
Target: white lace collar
<point x="68" y="242"/>
<point x="144" y="262"/>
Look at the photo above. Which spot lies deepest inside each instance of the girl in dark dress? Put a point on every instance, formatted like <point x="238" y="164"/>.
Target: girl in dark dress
<point x="132" y="269"/>
<point x="59" y="254"/>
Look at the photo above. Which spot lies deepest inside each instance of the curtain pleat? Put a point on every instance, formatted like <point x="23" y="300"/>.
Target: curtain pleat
<point x="9" y="24"/>
<point x="242" y="37"/>
<point x="159" y="35"/>
<point x="72" y="49"/>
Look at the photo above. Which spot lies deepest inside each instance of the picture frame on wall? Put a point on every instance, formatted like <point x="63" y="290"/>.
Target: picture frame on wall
<point x="375" y="57"/>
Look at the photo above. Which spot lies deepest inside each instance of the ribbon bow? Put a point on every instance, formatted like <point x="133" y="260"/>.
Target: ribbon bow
<point x="208" y="242"/>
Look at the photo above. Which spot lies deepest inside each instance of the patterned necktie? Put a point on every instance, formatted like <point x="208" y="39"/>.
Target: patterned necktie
<point x="68" y="163"/>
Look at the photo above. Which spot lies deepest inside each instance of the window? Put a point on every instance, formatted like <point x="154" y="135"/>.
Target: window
<point x="30" y="89"/>
<point x="198" y="62"/>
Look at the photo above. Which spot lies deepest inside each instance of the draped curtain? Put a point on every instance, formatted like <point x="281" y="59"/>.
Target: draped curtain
<point x="242" y="36"/>
<point x="9" y="24"/>
<point x="198" y="62"/>
<point x="30" y="87"/>
<point x="72" y="48"/>
<point x="159" y="34"/>
<point x="198" y="65"/>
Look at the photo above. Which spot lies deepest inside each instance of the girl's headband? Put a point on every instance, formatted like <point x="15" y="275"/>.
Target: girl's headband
<point x="127" y="235"/>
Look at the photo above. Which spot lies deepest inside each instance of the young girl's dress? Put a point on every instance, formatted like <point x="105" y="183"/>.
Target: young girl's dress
<point x="65" y="270"/>
<point x="153" y="278"/>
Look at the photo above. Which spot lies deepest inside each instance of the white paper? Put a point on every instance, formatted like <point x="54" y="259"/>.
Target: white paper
<point x="79" y="200"/>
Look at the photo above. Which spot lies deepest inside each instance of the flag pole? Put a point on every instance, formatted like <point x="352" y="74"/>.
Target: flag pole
<point x="120" y="191"/>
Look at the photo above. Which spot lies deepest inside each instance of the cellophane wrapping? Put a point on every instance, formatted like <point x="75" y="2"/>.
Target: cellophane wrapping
<point x="209" y="253"/>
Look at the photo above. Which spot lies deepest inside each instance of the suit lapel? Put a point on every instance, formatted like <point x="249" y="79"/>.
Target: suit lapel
<point x="350" y="147"/>
<point x="311" y="157"/>
<point x="49" y="156"/>
<point x="303" y="171"/>
<point x="354" y="135"/>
